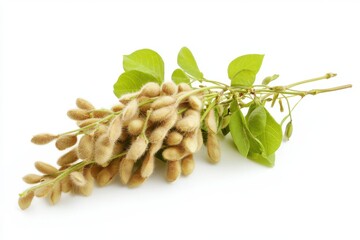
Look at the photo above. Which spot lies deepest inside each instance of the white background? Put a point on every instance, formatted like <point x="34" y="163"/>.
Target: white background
<point x="55" y="51"/>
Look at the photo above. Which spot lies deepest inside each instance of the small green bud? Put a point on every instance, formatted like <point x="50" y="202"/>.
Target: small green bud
<point x="330" y="75"/>
<point x="276" y="95"/>
<point x="288" y="130"/>
<point x="281" y="105"/>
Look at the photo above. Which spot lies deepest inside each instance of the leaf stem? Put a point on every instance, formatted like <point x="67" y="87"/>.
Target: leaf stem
<point x="215" y="82"/>
<point x="292" y="109"/>
<point x="288" y="105"/>
<point x="326" y="76"/>
<point x="317" y="91"/>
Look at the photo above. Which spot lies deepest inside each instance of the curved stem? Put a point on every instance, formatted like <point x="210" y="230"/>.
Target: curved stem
<point x="288" y="105"/>
<point x="284" y="119"/>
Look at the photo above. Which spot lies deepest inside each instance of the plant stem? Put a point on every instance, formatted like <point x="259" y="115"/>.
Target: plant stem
<point x="65" y="173"/>
<point x="317" y="91"/>
<point x="182" y="97"/>
<point x="91" y="125"/>
<point x="210" y="106"/>
<point x="58" y="178"/>
<point x="215" y="82"/>
<point x="284" y="119"/>
<point x="326" y="76"/>
<point x="148" y="113"/>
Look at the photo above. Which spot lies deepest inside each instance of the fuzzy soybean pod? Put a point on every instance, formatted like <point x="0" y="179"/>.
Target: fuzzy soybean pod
<point x="213" y="148"/>
<point x="87" y="122"/>
<point x="55" y="193"/>
<point x="162" y="114"/>
<point x="68" y="157"/>
<point x="150" y="89"/>
<point x="195" y="103"/>
<point x="100" y="113"/>
<point x="86" y="190"/>
<point x="183" y="87"/>
<point x="174" y="138"/>
<point x="173" y="170"/>
<point x="32" y="178"/>
<point x="85" y="149"/>
<point x="43" y="138"/>
<point x="200" y="140"/>
<point x="45" y="168"/>
<point x="190" y="142"/>
<point x="174" y="153"/>
<point x="100" y="130"/>
<point x="78" y="114"/>
<point x="147" y="166"/>
<point x="159" y="133"/>
<point x="103" y="149"/>
<point x="43" y="191"/>
<point x="126" y="98"/>
<point x="169" y="88"/>
<point x="66" y="141"/>
<point x="78" y="179"/>
<point x="187" y="165"/>
<point x="135" y="126"/>
<point x="137" y="148"/>
<point x="130" y="111"/>
<point x="66" y="184"/>
<point x="118" y="107"/>
<point x="84" y="104"/>
<point x="118" y="148"/>
<point x="115" y="129"/>
<point x="190" y="122"/>
<point x="210" y="121"/>
<point x="136" y="179"/>
<point x="106" y="175"/>
<point x="125" y="170"/>
<point x="25" y="201"/>
<point x="162" y="101"/>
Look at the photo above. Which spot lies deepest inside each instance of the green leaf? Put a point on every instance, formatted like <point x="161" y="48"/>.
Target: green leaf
<point x="146" y="61"/>
<point x="259" y="149"/>
<point x="264" y="160"/>
<point x="256" y="146"/>
<point x="257" y="121"/>
<point x="269" y="79"/>
<point x="238" y="129"/>
<point x="272" y="136"/>
<point x="131" y="81"/>
<point x="242" y="70"/>
<point x="263" y="146"/>
<point x="244" y="78"/>
<point x="178" y="76"/>
<point x="187" y="62"/>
